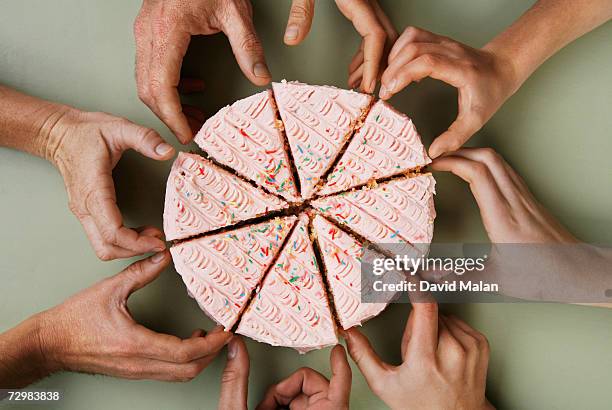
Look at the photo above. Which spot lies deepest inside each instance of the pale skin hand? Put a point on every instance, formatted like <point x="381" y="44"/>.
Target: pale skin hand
<point x="163" y="30"/>
<point x="485" y="78"/>
<point x="85" y="147"/>
<point x="444" y="363"/>
<point x="93" y="332"/>
<point x="303" y="389"/>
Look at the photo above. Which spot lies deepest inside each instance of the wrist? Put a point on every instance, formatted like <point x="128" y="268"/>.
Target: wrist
<point x="54" y="133"/>
<point x="507" y="67"/>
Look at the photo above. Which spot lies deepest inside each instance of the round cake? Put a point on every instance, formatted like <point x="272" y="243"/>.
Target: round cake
<point x="270" y="225"/>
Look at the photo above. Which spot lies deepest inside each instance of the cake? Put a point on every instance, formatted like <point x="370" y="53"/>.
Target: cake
<point x="397" y="211"/>
<point x="342" y="256"/>
<point x="318" y="121"/>
<point x="387" y="144"/>
<point x="301" y="188"/>
<point x="201" y="197"/>
<point x="247" y="137"/>
<point x="291" y="308"/>
<point x="222" y="270"/>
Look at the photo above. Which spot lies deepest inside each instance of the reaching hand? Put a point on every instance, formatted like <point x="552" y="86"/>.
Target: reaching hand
<point x="87" y="148"/>
<point x="510" y="212"/>
<point x="93" y="332"/>
<point x="163" y="30"/>
<point x="309" y="389"/>
<point x="484" y="80"/>
<point x="444" y="364"/>
<point x="371" y="23"/>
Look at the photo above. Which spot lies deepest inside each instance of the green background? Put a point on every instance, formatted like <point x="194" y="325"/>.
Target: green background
<point x="556" y="131"/>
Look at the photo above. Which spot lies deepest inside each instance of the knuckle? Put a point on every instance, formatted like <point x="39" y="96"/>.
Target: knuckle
<point x="429" y="60"/>
<point x="490" y="155"/>
<point x="300" y="12"/>
<point x="411" y="32"/>
<point x="230" y="376"/>
<point x="104" y="254"/>
<point x="250" y="42"/>
<point x="181" y="356"/>
<point x="481" y="171"/>
<point x="192" y="371"/>
<point x="412" y="49"/>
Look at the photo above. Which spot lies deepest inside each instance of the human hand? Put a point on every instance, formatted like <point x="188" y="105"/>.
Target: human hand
<point x="371" y="23"/>
<point x="235" y="377"/>
<point x="509" y="211"/>
<point x="444" y="363"/>
<point x="93" y="332"/>
<point x="309" y="389"/>
<point x="86" y="147"/>
<point x="484" y="80"/>
<point x="163" y="30"/>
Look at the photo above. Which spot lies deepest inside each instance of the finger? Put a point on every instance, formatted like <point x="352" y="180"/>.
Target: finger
<point x="190" y="85"/>
<point x="423" y="329"/>
<point x="144" y="140"/>
<point x="357" y="59"/>
<point x="340" y="383"/>
<point x="101" y="205"/>
<point x="136" y="368"/>
<point x="143" y="37"/>
<point x="362" y="353"/>
<point x="303" y="381"/>
<point x="103" y="250"/>
<point x="492" y="203"/>
<point x="385" y="21"/>
<point x="412" y="35"/>
<point x="412" y="51"/>
<point x="152" y="231"/>
<point x="235" y="378"/>
<point x="195" y="117"/>
<point x="300" y="21"/>
<point x="451" y="352"/>
<point x="356" y="77"/>
<point x="457" y="134"/>
<point x="436" y="66"/>
<point x="467" y="342"/>
<point x="364" y="19"/>
<point x="245" y="43"/>
<point x="141" y="273"/>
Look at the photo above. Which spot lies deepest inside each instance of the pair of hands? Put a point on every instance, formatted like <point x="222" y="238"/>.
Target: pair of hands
<point x="163" y="30"/>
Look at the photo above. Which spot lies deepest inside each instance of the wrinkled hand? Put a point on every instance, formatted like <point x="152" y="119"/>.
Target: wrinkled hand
<point x="163" y="30"/>
<point x="509" y="211"/>
<point x="309" y="389"/>
<point x="371" y="23"/>
<point x="444" y="364"/>
<point x="93" y="332"/>
<point x="483" y="78"/>
<point x="89" y="145"/>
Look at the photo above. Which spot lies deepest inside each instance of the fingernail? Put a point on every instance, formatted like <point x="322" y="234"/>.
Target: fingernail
<point x="292" y="32"/>
<point x="159" y="249"/>
<point x="163" y="149"/>
<point x="260" y="70"/>
<point x="372" y="86"/>
<point x="232" y="349"/>
<point x="158" y="257"/>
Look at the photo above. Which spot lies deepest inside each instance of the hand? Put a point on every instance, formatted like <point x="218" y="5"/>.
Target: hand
<point x="309" y="389"/>
<point x="484" y="80"/>
<point x="371" y="23"/>
<point x="86" y="147"/>
<point x="93" y="332"/>
<point x="163" y="30"/>
<point x="444" y="363"/>
<point x="510" y="212"/>
<point x="235" y="377"/>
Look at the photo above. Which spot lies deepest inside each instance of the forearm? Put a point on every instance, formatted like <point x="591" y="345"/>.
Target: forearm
<point x="26" y="123"/>
<point x="22" y="360"/>
<point x="546" y="28"/>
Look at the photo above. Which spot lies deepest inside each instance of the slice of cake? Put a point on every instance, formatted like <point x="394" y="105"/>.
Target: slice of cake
<point x="201" y="197"/>
<point x="221" y="271"/>
<point x="291" y="308"/>
<point x="342" y="257"/>
<point x="318" y="121"/>
<point x="247" y="137"/>
<point x="395" y="212"/>
<point x="386" y="145"/>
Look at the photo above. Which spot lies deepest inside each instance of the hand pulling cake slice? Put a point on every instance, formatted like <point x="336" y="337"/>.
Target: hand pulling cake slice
<point x="399" y="211"/>
<point x="342" y="258"/>
<point x="291" y="308"/>
<point x="247" y="137"/>
<point x="222" y="270"/>
<point x="386" y="145"/>
<point x="318" y="121"/>
<point x="201" y="197"/>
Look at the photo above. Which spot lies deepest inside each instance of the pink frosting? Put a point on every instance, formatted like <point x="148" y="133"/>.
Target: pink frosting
<point x="221" y="271"/>
<point x="387" y="144"/>
<point x="291" y="308"/>
<point x="342" y="256"/>
<point x="318" y="121"/>
<point x="398" y="211"/>
<point x="247" y="137"/>
<point x="201" y="197"/>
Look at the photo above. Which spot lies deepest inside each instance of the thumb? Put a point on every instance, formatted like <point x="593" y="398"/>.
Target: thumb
<point x="145" y="141"/>
<point x="235" y="378"/>
<point x="300" y="21"/>
<point x="246" y="46"/>
<point x="362" y="353"/>
<point x="457" y="134"/>
<point x="143" y="272"/>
